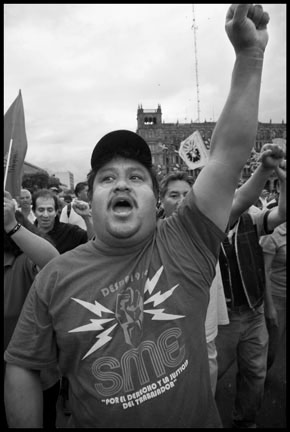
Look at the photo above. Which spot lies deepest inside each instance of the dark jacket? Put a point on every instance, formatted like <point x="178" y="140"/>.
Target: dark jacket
<point x="249" y="266"/>
<point x="66" y="236"/>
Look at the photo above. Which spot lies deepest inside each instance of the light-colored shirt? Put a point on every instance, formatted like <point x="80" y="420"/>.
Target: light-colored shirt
<point x="276" y="244"/>
<point x="73" y="217"/>
<point x="217" y="313"/>
<point x="31" y="216"/>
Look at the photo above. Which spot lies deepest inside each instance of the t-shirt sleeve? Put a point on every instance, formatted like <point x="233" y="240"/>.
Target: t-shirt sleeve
<point x="33" y="336"/>
<point x="260" y="219"/>
<point x="193" y="240"/>
<point x="268" y="245"/>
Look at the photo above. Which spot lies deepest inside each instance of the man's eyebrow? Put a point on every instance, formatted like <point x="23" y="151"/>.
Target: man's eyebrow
<point x="173" y="190"/>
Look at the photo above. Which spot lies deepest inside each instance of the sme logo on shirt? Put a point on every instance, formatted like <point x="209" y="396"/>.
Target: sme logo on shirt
<point x="129" y="380"/>
<point x="129" y="314"/>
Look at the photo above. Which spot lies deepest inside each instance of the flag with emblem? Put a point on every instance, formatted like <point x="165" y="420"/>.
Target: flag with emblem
<point x="193" y="151"/>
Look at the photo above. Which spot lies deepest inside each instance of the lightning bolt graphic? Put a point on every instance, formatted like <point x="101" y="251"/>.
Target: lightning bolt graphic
<point x="160" y="316"/>
<point x="159" y="298"/>
<point x="96" y="308"/>
<point x="103" y="339"/>
<point x="95" y="325"/>
<point x="151" y="283"/>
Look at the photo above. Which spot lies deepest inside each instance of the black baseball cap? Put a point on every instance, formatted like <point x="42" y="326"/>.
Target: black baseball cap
<point x="123" y="143"/>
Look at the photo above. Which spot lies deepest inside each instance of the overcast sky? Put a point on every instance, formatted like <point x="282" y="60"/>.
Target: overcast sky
<point x="83" y="69"/>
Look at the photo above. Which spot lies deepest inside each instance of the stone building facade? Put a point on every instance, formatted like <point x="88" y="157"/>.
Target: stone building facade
<point x="164" y="140"/>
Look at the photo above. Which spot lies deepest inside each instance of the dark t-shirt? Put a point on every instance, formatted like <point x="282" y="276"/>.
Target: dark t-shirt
<point x="19" y="274"/>
<point x="126" y="327"/>
<point x="66" y="236"/>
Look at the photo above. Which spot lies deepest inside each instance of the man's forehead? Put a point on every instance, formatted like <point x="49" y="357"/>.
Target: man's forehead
<point x="120" y="162"/>
<point x="25" y="193"/>
<point x="178" y="185"/>
<point x="44" y="202"/>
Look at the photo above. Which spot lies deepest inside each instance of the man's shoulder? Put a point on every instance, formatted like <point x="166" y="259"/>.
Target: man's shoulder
<point x="69" y="227"/>
<point x="83" y="251"/>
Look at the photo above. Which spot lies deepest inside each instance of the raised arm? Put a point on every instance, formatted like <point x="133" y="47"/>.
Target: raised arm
<point x="82" y="208"/>
<point x="235" y="131"/>
<point x="39" y="250"/>
<point x="271" y="156"/>
<point x="278" y="214"/>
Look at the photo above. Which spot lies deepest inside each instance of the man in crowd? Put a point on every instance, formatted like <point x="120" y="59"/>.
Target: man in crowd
<point x="25" y="201"/>
<point x="248" y="297"/>
<point x="68" y="214"/>
<point x="123" y="315"/>
<point x="65" y="236"/>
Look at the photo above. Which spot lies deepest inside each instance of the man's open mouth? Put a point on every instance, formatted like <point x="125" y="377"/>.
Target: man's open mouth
<point x="122" y="205"/>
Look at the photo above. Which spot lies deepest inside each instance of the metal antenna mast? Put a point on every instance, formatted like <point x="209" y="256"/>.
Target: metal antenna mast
<point x="194" y="27"/>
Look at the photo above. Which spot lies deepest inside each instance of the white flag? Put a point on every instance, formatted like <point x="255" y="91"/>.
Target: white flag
<point x="193" y="151"/>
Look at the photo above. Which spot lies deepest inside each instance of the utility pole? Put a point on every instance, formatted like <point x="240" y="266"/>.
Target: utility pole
<point x="194" y="27"/>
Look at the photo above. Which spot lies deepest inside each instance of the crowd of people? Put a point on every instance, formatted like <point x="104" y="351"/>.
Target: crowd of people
<point x="136" y="296"/>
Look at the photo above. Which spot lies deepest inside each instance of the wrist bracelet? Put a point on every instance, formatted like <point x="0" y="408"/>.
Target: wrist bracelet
<point x="14" y="230"/>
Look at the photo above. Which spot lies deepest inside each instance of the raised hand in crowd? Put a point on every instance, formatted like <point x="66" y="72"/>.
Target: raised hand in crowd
<point x="38" y="249"/>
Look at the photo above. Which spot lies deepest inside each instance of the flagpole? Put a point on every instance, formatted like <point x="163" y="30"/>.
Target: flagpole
<point x="8" y="162"/>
